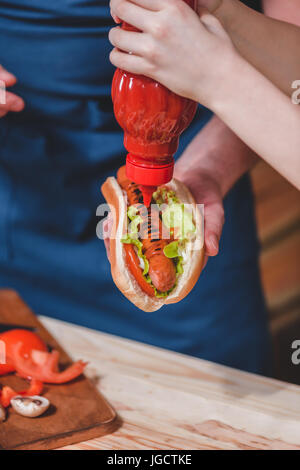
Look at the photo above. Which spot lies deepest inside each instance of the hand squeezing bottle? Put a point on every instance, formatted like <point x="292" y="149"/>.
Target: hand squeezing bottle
<point x="152" y="118"/>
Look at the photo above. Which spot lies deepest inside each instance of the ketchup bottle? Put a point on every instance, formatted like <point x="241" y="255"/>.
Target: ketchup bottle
<point x="152" y="118"/>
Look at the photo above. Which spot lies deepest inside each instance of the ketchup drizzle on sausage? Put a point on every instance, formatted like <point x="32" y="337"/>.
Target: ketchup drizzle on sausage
<point x="162" y="270"/>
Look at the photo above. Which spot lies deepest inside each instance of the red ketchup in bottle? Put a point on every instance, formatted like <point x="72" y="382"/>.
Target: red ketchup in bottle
<point x="152" y="118"/>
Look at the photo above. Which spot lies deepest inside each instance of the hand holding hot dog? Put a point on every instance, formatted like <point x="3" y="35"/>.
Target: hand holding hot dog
<point x="212" y="163"/>
<point x="207" y="191"/>
<point x="156" y="253"/>
<point x="12" y="102"/>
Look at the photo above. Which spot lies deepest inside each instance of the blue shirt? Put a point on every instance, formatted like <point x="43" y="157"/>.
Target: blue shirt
<point x="54" y="157"/>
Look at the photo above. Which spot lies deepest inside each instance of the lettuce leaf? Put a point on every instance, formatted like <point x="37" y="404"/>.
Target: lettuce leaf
<point x="179" y="265"/>
<point x="171" y="250"/>
<point x="176" y="216"/>
<point x="135" y="219"/>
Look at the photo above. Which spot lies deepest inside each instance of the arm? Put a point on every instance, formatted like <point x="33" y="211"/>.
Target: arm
<point x="288" y="11"/>
<point x="210" y="166"/>
<point x="217" y="151"/>
<point x="272" y="46"/>
<point x="269" y="123"/>
<point x="216" y="147"/>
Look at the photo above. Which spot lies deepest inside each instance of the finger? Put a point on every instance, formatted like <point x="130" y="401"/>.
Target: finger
<point x="8" y="78"/>
<point x="107" y="247"/>
<point x="115" y="17"/>
<point x="153" y="5"/>
<point x="106" y="233"/>
<point x="3" y="113"/>
<point x="12" y="103"/>
<point x="132" y="14"/>
<point x="128" y="41"/>
<point x="211" y="244"/>
<point x="129" y="62"/>
<point x="213" y="225"/>
<point x="107" y="228"/>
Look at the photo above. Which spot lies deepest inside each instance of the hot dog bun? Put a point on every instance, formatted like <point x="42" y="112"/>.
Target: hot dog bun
<point x="122" y="277"/>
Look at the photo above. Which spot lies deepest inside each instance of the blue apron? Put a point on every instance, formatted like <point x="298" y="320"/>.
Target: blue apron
<point x="54" y="157"/>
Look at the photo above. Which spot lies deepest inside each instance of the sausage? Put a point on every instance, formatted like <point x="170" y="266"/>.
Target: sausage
<point x="162" y="272"/>
<point x="161" y="269"/>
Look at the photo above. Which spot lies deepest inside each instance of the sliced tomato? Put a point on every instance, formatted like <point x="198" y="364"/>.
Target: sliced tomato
<point x="6" y="369"/>
<point x="39" y="357"/>
<point x="7" y="393"/>
<point x="35" y="388"/>
<point x="44" y="367"/>
<point x="132" y="261"/>
<point x="29" y="341"/>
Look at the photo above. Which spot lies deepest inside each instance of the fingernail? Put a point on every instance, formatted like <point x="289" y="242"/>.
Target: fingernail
<point x="214" y="242"/>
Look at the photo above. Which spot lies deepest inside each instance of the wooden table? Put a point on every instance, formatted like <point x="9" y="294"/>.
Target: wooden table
<point x="171" y="401"/>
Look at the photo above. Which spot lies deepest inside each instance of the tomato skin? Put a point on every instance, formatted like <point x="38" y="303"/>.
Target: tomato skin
<point x="132" y="262"/>
<point x="6" y="369"/>
<point x="7" y="393"/>
<point x="46" y="369"/>
<point x="29" y="341"/>
<point x="35" y="388"/>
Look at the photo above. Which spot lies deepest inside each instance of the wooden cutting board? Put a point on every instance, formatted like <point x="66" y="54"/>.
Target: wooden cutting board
<point x="78" y="412"/>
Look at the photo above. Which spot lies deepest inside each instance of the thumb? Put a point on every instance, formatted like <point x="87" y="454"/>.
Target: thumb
<point x="213" y="225"/>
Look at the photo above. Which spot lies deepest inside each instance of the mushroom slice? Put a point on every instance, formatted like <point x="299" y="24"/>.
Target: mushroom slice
<point x="31" y="407"/>
<point x="2" y="414"/>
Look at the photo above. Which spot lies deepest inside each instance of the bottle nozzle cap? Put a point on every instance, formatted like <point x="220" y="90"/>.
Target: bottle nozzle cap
<point x="152" y="175"/>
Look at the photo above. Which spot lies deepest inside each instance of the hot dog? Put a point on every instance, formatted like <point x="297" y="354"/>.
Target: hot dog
<point x="162" y="270"/>
<point x="150" y="269"/>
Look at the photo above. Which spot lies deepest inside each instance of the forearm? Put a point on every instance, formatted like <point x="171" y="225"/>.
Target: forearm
<point x="262" y="116"/>
<point x="210" y="166"/>
<point x="285" y="11"/>
<point x="219" y="153"/>
<point x="270" y="45"/>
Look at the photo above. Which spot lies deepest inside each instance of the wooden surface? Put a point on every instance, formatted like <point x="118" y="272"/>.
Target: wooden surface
<point x="171" y="401"/>
<point x="78" y="412"/>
